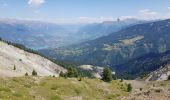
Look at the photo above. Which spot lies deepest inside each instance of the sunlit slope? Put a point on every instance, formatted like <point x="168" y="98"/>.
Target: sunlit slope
<point x="28" y="88"/>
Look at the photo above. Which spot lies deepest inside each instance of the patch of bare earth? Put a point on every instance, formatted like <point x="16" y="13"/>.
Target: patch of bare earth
<point x="75" y="98"/>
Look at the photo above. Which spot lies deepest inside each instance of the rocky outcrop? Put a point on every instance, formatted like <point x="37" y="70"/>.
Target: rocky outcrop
<point x="160" y="74"/>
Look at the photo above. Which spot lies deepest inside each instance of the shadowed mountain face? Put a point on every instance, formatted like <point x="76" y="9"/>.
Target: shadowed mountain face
<point x="143" y="65"/>
<point x="42" y="35"/>
<point x="118" y="47"/>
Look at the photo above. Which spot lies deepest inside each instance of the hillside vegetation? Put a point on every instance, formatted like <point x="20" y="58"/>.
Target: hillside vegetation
<point x="51" y="88"/>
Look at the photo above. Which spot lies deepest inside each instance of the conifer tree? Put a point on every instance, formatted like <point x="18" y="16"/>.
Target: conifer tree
<point x="34" y="73"/>
<point x="107" y="75"/>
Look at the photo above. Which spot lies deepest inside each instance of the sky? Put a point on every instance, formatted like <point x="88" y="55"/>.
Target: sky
<point x="84" y="11"/>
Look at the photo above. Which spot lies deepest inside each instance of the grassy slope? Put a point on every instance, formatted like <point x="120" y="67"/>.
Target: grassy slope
<point x="28" y="88"/>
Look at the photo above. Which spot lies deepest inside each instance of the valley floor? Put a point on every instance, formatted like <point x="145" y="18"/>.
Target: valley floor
<point x="51" y="88"/>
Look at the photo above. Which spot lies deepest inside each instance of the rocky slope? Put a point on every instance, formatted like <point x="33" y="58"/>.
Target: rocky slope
<point x="96" y="71"/>
<point x="23" y="61"/>
<point x="160" y="74"/>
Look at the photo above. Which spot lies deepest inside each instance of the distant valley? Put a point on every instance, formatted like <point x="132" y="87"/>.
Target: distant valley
<point x="42" y="35"/>
<point x="118" y="47"/>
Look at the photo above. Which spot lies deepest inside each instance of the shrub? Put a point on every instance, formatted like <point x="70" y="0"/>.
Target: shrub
<point x="17" y="95"/>
<point x="121" y="80"/>
<point x="80" y="79"/>
<point x="140" y="89"/>
<point x="158" y="90"/>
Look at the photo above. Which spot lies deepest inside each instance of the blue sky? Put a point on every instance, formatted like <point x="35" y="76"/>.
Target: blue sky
<point x="71" y="11"/>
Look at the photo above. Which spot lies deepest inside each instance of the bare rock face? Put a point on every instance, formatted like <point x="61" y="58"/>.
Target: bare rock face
<point x="160" y="74"/>
<point x="15" y="62"/>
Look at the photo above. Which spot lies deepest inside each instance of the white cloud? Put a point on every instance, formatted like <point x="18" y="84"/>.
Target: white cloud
<point x="82" y="19"/>
<point x="147" y="12"/>
<point x="36" y="2"/>
<point x="128" y="17"/>
<point x="93" y="19"/>
<point x="169" y="8"/>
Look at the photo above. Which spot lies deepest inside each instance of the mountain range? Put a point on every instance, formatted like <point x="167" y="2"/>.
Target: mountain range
<point x="42" y="35"/>
<point x="118" y="47"/>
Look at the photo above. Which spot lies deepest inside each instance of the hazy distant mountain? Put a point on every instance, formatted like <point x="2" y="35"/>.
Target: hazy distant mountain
<point x="31" y="33"/>
<point x="120" y="46"/>
<point x="40" y="35"/>
<point x="96" y="30"/>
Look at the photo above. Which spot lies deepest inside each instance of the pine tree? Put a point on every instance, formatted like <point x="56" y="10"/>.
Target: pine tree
<point x="169" y="77"/>
<point x="107" y="75"/>
<point x="14" y="67"/>
<point x="72" y="72"/>
<point x="129" y="88"/>
<point x="61" y="74"/>
<point x="34" y="73"/>
<point x="26" y="74"/>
